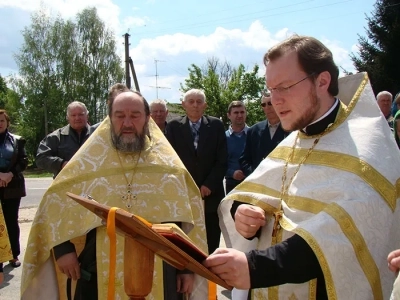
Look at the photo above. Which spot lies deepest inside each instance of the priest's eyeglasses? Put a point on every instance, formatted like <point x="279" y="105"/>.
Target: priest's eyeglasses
<point x="281" y="90"/>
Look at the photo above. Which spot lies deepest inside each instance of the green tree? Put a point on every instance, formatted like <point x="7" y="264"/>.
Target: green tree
<point x="98" y="63"/>
<point x="379" y="51"/>
<point x="3" y="92"/>
<point x="61" y="61"/>
<point x="39" y="80"/>
<point x="222" y="83"/>
<point x="11" y="102"/>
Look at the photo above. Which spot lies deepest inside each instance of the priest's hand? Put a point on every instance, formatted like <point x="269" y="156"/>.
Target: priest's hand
<point x="205" y="191"/>
<point x="184" y="283"/>
<point x="69" y="265"/>
<point x="238" y="175"/>
<point x="248" y="219"/>
<point x="231" y="265"/>
<point x="394" y="261"/>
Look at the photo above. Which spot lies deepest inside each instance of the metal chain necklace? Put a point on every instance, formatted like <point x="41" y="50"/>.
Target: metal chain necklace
<point x="130" y="196"/>
<point x="285" y="187"/>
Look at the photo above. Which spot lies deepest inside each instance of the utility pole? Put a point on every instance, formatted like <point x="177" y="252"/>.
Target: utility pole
<point x="129" y="66"/>
<point x="134" y="75"/>
<point x="158" y="87"/>
<point x="127" y="73"/>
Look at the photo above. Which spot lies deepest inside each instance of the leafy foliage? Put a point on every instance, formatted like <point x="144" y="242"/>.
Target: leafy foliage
<point x="12" y="102"/>
<point x="3" y="91"/>
<point x="61" y="61"/>
<point x="222" y="83"/>
<point x="379" y="51"/>
<point x="175" y="108"/>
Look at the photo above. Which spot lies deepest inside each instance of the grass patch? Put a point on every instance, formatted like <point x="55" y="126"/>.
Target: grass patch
<point x="36" y="173"/>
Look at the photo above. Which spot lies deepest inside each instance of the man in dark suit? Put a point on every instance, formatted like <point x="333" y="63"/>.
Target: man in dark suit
<point x="261" y="138"/>
<point x="200" y="142"/>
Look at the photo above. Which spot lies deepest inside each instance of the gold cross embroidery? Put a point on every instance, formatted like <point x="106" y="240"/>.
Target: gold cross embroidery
<point x="292" y="297"/>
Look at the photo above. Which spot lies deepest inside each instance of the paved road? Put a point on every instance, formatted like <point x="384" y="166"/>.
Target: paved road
<point x="36" y="187"/>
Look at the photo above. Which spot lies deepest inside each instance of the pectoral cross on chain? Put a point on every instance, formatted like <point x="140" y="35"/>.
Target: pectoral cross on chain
<point x="277" y="226"/>
<point x="129" y="197"/>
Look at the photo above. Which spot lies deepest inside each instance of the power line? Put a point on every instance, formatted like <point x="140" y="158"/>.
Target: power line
<point x="210" y="22"/>
<point x="234" y="16"/>
<point x="156" y="61"/>
<point x="180" y="72"/>
<point x="208" y="13"/>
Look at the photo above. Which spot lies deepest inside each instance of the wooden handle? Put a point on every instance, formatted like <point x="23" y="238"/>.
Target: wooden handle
<point x="138" y="269"/>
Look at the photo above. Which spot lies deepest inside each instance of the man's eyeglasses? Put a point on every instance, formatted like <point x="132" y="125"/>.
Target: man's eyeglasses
<point x="264" y="104"/>
<point x="285" y="90"/>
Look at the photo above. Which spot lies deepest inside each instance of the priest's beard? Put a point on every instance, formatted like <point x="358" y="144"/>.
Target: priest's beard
<point x="128" y="144"/>
<point x="310" y="114"/>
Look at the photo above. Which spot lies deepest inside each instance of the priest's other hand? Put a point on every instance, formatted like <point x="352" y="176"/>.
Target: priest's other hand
<point x="69" y="265"/>
<point x="184" y="283"/>
<point x="248" y="219"/>
<point x="231" y="265"/>
<point x="238" y="175"/>
<point x="205" y="191"/>
<point x="394" y="261"/>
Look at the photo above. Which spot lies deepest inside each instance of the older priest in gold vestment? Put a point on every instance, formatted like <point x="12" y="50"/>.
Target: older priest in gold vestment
<point x="324" y="205"/>
<point x="144" y="177"/>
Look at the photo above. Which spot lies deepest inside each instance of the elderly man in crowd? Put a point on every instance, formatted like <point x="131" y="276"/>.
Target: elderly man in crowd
<point x="57" y="148"/>
<point x="384" y="100"/>
<point x="200" y="142"/>
<point x="159" y="113"/>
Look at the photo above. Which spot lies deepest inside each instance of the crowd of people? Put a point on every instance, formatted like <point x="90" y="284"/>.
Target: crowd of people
<point x="295" y="196"/>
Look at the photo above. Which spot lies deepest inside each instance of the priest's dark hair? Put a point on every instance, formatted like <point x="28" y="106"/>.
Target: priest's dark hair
<point x="314" y="58"/>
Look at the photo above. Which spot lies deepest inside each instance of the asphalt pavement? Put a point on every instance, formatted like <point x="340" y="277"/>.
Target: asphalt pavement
<point x="36" y="187"/>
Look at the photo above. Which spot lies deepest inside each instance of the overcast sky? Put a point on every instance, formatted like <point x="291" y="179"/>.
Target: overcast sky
<point x="178" y="33"/>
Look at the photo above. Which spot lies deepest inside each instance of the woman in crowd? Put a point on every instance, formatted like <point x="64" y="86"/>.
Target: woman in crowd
<point x="13" y="161"/>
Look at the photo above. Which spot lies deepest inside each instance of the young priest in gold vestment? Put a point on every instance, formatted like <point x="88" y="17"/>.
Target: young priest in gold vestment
<point x="322" y="210"/>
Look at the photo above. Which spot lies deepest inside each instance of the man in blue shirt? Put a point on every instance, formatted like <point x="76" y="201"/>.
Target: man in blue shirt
<point x="236" y="140"/>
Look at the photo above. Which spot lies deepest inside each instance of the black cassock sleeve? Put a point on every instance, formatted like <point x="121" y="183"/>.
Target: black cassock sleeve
<point x="291" y="261"/>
